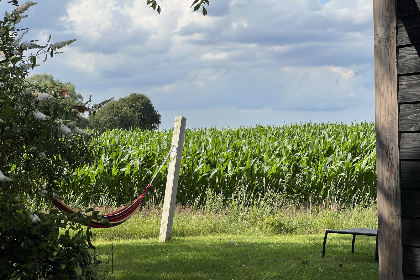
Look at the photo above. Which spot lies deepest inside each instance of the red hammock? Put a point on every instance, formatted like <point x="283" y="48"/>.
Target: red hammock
<point x="116" y="218"/>
<point x="120" y="216"/>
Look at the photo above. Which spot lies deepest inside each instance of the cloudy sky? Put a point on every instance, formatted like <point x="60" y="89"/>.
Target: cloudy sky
<point x="247" y="62"/>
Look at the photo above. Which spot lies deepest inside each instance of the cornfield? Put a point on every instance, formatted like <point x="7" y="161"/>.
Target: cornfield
<point x="322" y="162"/>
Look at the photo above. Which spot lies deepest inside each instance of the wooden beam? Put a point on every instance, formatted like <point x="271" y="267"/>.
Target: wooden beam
<point x="387" y="154"/>
<point x="409" y="119"/>
<point x="408" y="8"/>
<point x="408" y="31"/>
<point x="410" y="175"/>
<point x="172" y="181"/>
<point x="408" y="60"/>
<point x="408" y="88"/>
<point x="411" y="262"/>
<point x="409" y="146"/>
<point x="410" y="206"/>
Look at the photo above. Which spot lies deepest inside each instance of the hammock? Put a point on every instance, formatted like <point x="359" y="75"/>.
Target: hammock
<point x="115" y="218"/>
<point x="119" y="216"/>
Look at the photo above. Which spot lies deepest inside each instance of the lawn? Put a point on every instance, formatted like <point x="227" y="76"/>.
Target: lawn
<point x="242" y="257"/>
<point x="253" y="245"/>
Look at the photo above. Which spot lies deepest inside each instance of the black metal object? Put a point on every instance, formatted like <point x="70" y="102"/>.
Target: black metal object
<point x="354" y="232"/>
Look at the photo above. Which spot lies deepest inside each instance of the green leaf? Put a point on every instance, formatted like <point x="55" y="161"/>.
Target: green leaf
<point x="33" y="61"/>
<point x="195" y="2"/>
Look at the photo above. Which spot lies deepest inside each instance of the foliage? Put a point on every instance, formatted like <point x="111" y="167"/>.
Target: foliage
<point x="32" y="247"/>
<point x="134" y="111"/>
<point x="40" y="144"/>
<point x="47" y="83"/>
<point x="38" y="131"/>
<point x="301" y="162"/>
<point x="66" y="104"/>
<point x="197" y="4"/>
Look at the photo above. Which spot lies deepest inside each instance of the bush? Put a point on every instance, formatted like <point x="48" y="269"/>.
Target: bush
<point x="43" y="245"/>
<point x="40" y="145"/>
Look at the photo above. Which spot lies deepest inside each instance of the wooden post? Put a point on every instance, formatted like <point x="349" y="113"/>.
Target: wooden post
<point x="172" y="181"/>
<point x="387" y="151"/>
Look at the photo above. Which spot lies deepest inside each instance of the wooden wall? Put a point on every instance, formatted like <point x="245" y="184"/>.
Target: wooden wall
<point x="408" y="69"/>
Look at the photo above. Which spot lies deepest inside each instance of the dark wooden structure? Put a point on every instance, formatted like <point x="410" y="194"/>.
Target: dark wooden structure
<point x="397" y="98"/>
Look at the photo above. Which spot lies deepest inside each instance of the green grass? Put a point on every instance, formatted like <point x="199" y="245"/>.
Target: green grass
<point x="243" y="257"/>
<point x="241" y="243"/>
<point x="237" y="220"/>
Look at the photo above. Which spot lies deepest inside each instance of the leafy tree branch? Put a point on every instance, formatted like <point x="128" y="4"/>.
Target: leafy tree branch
<point x="196" y="5"/>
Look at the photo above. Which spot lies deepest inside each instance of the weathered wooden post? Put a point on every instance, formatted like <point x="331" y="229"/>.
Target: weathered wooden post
<point x="397" y="91"/>
<point x="172" y="181"/>
<point x="386" y="123"/>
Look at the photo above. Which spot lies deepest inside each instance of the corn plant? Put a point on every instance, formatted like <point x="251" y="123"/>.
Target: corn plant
<point x="322" y="162"/>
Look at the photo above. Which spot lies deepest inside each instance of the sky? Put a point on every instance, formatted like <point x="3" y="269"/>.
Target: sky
<point x="247" y="63"/>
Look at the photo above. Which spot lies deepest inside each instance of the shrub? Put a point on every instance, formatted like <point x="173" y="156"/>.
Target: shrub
<point x="40" y="246"/>
<point x="39" y="144"/>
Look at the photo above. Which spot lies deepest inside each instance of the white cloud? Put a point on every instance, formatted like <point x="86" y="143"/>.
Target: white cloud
<point x="82" y="61"/>
<point x="166" y="88"/>
<point x="280" y="48"/>
<point x="253" y="56"/>
<point x="93" y="19"/>
<point x="215" y="56"/>
<point x="356" y="12"/>
<point x="322" y="88"/>
<point x="240" y="23"/>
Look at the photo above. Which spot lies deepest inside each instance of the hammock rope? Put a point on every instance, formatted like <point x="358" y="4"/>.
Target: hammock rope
<point x="121" y="215"/>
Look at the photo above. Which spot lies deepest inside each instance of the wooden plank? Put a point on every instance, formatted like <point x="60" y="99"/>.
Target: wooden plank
<point x="409" y="60"/>
<point x="409" y="88"/>
<point x="386" y="125"/>
<point x="411" y="262"/>
<point x="172" y="181"/>
<point x="409" y="146"/>
<point x="408" y="31"/>
<point x="408" y="8"/>
<point x="411" y="277"/>
<point x="409" y="119"/>
<point x="410" y="203"/>
<point x="410" y="174"/>
<point x="410" y="232"/>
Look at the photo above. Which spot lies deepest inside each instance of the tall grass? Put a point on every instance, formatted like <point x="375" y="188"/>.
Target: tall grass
<point x="264" y="217"/>
<point x="300" y="162"/>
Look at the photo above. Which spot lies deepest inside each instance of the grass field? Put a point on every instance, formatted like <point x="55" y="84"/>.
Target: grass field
<point x="247" y="209"/>
<point x="225" y="245"/>
<point x="243" y="257"/>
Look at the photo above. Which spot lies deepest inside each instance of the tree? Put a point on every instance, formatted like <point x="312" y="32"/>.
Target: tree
<point x="65" y="92"/>
<point x="47" y="83"/>
<point x="134" y="111"/>
<point x="40" y="145"/>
